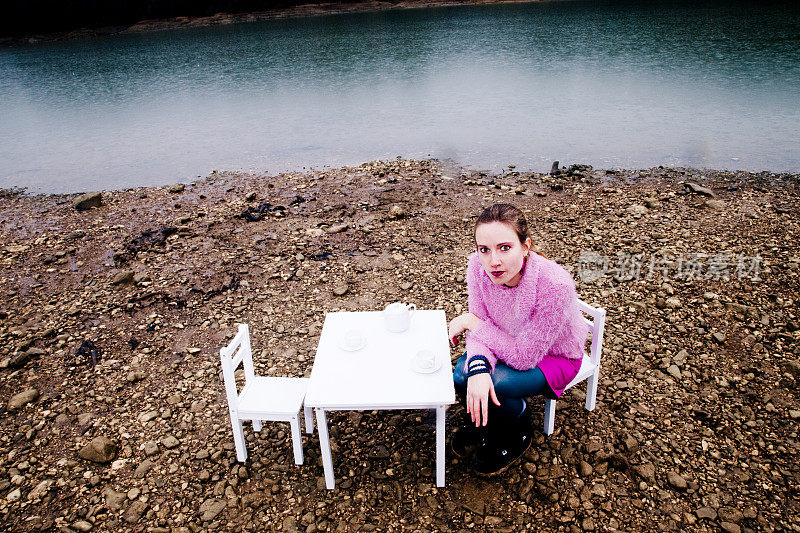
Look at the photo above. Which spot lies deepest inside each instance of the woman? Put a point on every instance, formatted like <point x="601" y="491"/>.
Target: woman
<point x="524" y="334"/>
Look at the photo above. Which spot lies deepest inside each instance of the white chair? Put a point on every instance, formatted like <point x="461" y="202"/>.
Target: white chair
<point x="261" y="398"/>
<point x="590" y="366"/>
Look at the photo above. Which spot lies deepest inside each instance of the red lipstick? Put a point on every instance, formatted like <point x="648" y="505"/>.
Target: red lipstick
<point x="497" y="273"/>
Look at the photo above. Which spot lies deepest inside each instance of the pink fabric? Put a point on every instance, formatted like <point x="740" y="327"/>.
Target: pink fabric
<point x="535" y="323"/>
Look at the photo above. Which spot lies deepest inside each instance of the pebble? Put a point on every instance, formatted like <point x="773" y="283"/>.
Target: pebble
<point x="114" y="499"/>
<point x="135" y="376"/>
<point x="170" y="442"/>
<point x="338" y="228"/>
<point x="397" y="211"/>
<point x="730" y="514"/>
<point x="699" y="189"/>
<point x="341" y="290"/>
<point x="99" y="450"/>
<point x="121" y="278"/>
<point x="143" y="468"/>
<point x="209" y="509"/>
<point x="18" y="401"/>
<point x="674" y="371"/>
<point x="730" y="527"/>
<point x="134" y="512"/>
<point x="83" y="525"/>
<point x="646" y="471"/>
<point x="716" y="205"/>
<point x="707" y="513"/>
<point x="676" y="480"/>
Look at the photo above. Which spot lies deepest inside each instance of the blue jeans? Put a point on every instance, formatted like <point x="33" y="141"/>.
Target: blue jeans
<point x="510" y="385"/>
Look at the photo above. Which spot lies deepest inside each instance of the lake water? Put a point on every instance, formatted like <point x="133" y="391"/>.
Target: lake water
<point x="609" y="83"/>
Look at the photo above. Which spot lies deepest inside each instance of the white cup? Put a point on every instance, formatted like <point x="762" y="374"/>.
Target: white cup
<point x="426" y="359"/>
<point x="397" y="316"/>
<point x="352" y="339"/>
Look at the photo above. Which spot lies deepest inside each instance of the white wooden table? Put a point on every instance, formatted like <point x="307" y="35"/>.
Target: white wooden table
<point x="380" y="375"/>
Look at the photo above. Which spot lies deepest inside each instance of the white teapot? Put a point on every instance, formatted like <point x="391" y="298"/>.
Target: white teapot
<point x="397" y="316"/>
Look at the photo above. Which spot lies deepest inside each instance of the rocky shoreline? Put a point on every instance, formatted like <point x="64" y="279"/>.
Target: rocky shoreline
<point x="112" y="313"/>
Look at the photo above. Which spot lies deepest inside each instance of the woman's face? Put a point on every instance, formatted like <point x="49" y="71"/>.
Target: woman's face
<point x="501" y="253"/>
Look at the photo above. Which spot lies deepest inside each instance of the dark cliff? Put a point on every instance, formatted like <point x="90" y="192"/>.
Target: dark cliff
<point x="19" y="17"/>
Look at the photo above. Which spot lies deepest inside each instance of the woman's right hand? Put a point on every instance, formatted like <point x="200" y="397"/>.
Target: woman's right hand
<point x="479" y="388"/>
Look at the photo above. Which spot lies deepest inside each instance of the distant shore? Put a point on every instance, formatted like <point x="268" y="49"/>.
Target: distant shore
<point x="305" y="10"/>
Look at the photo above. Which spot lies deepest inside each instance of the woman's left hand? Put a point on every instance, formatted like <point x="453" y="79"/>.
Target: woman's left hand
<point x="462" y="323"/>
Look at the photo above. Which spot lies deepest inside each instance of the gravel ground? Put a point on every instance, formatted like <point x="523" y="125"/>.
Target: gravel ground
<point x="111" y="320"/>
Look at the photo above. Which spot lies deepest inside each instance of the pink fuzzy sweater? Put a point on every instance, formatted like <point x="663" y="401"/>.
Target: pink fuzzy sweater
<point x="522" y="324"/>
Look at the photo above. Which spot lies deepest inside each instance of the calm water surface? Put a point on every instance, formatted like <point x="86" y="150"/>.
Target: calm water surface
<point x="610" y="83"/>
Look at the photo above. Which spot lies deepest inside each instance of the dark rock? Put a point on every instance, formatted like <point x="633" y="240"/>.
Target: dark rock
<point x="143" y="468"/>
<point x="730" y="514"/>
<point x="134" y="512"/>
<point x="676" y="480"/>
<point x="338" y="228"/>
<point x="793" y="367"/>
<point x="730" y="527"/>
<point x="19" y="359"/>
<point x="646" y="471"/>
<point x="209" y="509"/>
<point x="706" y="512"/>
<point x="114" y="499"/>
<point x="88" y="201"/>
<point x="22" y="399"/>
<point x="87" y="351"/>
<point x="126" y="276"/>
<point x="699" y="189"/>
<point x="100" y="450"/>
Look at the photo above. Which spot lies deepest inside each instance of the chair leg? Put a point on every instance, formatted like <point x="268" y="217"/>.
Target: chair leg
<point x="256" y="425"/>
<point x="238" y="438"/>
<point x="309" y="415"/>
<point x="591" y="390"/>
<point x="549" y="416"/>
<point x="297" y="439"/>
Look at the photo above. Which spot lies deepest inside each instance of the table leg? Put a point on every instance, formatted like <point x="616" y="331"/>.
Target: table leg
<point x="440" y="431"/>
<point x="325" y="448"/>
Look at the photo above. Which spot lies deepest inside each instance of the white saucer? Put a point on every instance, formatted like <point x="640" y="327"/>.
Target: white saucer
<point x="419" y="370"/>
<point x="352" y="348"/>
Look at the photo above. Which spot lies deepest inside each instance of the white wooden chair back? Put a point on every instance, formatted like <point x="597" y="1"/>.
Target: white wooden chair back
<point x="590" y="366"/>
<point x="238" y="352"/>
<point x="597" y="327"/>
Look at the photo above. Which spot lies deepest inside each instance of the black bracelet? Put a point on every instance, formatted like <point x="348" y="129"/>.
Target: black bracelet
<point x="475" y="372"/>
<point x="478" y="358"/>
<point x="478" y="364"/>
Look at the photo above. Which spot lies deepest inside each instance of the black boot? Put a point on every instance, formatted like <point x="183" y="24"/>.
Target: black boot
<point x="508" y="438"/>
<point x="467" y="438"/>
